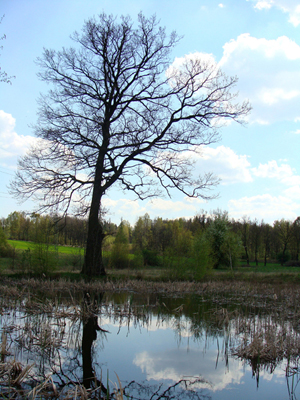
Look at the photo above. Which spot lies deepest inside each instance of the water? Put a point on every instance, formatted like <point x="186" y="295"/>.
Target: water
<point x="179" y="348"/>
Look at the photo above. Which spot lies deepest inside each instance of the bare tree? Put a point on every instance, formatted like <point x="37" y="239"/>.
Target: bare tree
<point x="119" y="113"/>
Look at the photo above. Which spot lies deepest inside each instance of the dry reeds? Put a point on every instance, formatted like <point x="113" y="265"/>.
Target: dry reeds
<point x="46" y="316"/>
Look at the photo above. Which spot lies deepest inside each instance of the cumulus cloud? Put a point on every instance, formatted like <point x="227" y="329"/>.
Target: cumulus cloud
<point x="12" y="145"/>
<point x="123" y="209"/>
<point x="269" y="75"/>
<point x="264" y="207"/>
<point x="267" y="206"/>
<point x="284" y="173"/>
<point x="167" y="205"/>
<point x="131" y="210"/>
<point x="173" y="365"/>
<point x="261" y="5"/>
<point x="225" y="163"/>
<point x="291" y="7"/>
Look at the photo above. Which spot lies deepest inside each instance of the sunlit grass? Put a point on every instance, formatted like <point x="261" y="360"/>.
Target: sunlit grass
<point x="24" y="245"/>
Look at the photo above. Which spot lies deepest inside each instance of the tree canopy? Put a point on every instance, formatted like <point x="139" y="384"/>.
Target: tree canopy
<point x="119" y="112"/>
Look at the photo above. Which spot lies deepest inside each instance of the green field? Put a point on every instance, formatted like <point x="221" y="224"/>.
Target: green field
<point x="23" y="245"/>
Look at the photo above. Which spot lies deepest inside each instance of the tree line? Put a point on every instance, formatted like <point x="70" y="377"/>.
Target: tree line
<point x="212" y="239"/>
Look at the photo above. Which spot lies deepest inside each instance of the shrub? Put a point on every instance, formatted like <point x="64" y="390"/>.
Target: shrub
<point x="150" y="257"/>
<point x="283" y="257"/>
<point x="119" y="257"/>
<point x="42" y="260"/>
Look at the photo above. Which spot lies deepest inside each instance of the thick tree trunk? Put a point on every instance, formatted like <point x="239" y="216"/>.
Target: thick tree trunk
<point x="93" y="262"/>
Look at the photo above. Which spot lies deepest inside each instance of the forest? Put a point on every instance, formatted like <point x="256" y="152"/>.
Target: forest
<point x="185" y="246"/>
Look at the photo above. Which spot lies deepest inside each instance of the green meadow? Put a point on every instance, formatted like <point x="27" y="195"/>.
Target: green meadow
<point x="24" y="245"/>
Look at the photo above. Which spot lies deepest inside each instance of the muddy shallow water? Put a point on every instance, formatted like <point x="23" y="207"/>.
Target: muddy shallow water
<point x="157" y="345"/>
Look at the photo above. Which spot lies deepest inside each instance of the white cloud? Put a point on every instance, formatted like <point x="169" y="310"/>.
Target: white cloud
<point x="264" y="207"/>
<point x="179" y="71"/>
<point x="292" y="192"/>
<point x="221" y="5"/>
<point x="224" y="163"/>
<point x="174" y="206"/>
<point x="131" y="210"/>
<point x="261" y="5"/>
<point x="171" y="364"/>
<point x="126" y="209"/>
<point x="284" y="173"/>
<point x="273" y="170"/>
<point x="273" y="95"/>
<point x="291" y="7"/>
<point x="12" y="145"/>
<point x="269" y="75"/>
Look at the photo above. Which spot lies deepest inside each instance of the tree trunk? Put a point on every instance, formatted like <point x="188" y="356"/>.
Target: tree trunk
<point x="93" y="262"/>
<point x="247" y="255"/>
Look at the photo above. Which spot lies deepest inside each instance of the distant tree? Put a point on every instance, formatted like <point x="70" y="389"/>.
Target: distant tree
<point x="284" y="231"/>
<point x="181" y="243"/>
<point x="255" y="233"/>
<point x="244" y="226"/>
<point x="120" y="248"/>
<point x="118" y="113"/>
<point x="203" y="259"/>
<point x="5" y="248"/>
<point x="142" y="233"/>
<point x="13" y="225"/>
<point x="161" y="235"/>
<point x="266" y="232"/>
<point x="225" y="243"/>
<point x="296" y="238"/>
<point x="4" y="77"/>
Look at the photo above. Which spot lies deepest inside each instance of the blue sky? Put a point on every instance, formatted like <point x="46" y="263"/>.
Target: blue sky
<point x="258" y="41"/>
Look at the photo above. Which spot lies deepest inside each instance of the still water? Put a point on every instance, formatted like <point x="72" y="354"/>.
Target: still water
<point x="159" y="347"/>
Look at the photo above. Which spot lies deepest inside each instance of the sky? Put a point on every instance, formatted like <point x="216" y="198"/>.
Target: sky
<point x="258" y="41"/>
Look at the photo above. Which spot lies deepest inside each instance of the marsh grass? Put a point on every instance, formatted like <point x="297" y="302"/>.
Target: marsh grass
<point x="38" y="331"/>
<point x="259" y="324"/>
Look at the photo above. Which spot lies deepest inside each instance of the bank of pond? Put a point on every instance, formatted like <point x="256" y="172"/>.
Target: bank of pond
<point x="38" y="259"/>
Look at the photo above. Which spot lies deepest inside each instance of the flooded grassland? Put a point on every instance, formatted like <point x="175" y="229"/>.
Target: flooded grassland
<point x="143" y="340"/>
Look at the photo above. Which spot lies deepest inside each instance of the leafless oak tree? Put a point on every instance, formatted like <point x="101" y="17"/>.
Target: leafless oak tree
<point x="119" y="113"/>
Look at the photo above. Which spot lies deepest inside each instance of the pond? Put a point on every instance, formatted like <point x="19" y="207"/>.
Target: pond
<point x="149" y="346"/>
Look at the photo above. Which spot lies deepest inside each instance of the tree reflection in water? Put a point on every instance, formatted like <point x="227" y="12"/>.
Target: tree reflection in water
<point x="183" y="389"/>
<point x="187" y="388"/>
<point x="60" y="340"/>
<point x="90" y="328"/>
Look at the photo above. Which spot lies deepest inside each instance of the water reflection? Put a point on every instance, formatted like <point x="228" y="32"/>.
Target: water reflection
<point x="159" y="347"/>
<point x="90" y="328"/>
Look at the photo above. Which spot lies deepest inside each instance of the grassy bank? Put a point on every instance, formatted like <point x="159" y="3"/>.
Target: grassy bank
<point x="68" y="261"/>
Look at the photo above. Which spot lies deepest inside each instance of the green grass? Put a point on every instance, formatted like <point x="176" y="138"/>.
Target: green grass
<point x="23" y="245"/>
<point x="269" y="268"/>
